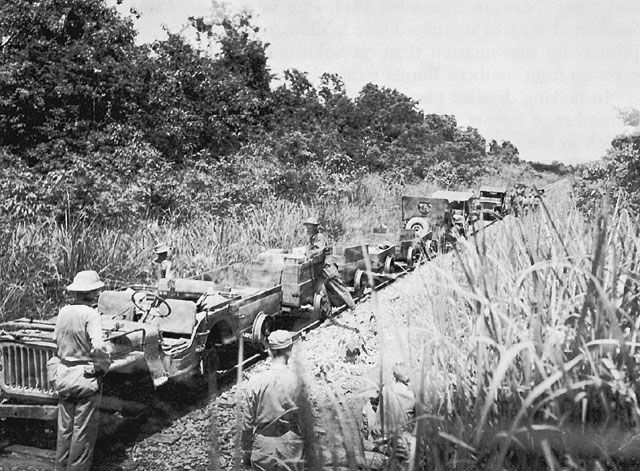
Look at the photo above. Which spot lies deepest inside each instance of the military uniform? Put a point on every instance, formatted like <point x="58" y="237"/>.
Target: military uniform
<point x="83" y="357"/>
<point x="163" y="266"/>
<point x="270" y="433"/>
<point x="336" y="289"/>
<point x="163" y="269"/>
<point x="393" y="447"/>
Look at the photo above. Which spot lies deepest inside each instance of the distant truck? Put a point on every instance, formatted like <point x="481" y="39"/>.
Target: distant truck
<point x="492" y="202"/>
<point x="423" y="214"/>
<point x="463" y="208"/>
<point x="171" y="334"/>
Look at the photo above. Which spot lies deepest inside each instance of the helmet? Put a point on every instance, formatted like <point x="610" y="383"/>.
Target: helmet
<point x="280" y="339"/>
<point x="85" y="281"/>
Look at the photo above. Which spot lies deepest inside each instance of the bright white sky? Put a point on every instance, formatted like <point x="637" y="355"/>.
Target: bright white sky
<point x="547" y="75"/>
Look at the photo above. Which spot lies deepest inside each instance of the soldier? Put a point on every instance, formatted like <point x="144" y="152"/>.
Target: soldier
<point x="270" y="435"/>
<point x="390" y="430"/>
<point x="372" y="433"/>
<point x="164" y="266"/>
<point x="334" y="285"/>
<point x="83" y="360"/>
<point x="534" y="202"/>
<point x="520" y="201"/>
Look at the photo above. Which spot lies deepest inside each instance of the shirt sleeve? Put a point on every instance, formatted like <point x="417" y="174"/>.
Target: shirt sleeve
<point x="94" y="330"/>
<point x="99" y="351"/>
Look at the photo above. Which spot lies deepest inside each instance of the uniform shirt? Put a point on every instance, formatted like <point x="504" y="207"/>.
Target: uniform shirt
<point x="270" y="401"/>
<point x="164" y="269"/>
<point x="78" y="333"/>
<point x="399" y="408"/>
<point x="317" y="244"/>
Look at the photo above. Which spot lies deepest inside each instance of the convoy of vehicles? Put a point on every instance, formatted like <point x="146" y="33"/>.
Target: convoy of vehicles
<point x="175" y="331"/>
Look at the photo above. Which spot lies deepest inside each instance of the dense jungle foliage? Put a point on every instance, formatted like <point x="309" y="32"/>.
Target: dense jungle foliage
<point x="95" y="126"/>
<point x="616" y="177"/>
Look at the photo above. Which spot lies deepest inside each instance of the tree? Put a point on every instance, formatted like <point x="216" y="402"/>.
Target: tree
<point x="617" y="173"/>
<point x="384" y="112"/>
<point x="505" y="152"/>
<point x="69" y="69"/>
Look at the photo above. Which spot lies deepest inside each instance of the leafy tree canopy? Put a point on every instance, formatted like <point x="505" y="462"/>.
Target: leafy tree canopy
<point x="93" y="125"/>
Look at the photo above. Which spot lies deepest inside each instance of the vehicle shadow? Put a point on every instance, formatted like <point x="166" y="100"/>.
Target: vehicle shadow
<point x="171" y="402"/>
<point x="112" y="452"/>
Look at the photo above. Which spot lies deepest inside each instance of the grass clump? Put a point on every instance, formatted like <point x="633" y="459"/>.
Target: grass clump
<point x="526" y="340"/>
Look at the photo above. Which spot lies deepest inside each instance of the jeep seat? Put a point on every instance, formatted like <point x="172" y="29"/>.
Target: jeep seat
<point x="181" y="320"/>
<point x="179" y="288"/>
<point x="116" y="304"/>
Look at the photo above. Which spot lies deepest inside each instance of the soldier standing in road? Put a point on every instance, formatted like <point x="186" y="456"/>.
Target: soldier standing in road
<point x="83" y="360"/>
<point x="164" y="266"/>
<point x="331" y="277"/>
<point x="271" y="437"/>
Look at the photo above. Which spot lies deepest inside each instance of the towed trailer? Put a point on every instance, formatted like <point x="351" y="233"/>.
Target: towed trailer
<point x="376" y="265"/>
<point x="300" y="278"/>
<point x="410" y="248"/>
<point x="350" y="262"/>
<point x="382" y="258"/>
<point x="172" y="334"/>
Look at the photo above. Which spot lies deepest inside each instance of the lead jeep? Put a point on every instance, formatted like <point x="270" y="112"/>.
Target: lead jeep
<point x="170" y="334"/>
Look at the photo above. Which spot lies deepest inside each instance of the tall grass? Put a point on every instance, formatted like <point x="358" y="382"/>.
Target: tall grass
<point x="523" y="346"/>
<point x="38" y="259"/>
<point x="527" y="342"/>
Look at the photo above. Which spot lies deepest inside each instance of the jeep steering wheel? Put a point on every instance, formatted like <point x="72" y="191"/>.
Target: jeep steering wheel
<point x="146" y="301"/>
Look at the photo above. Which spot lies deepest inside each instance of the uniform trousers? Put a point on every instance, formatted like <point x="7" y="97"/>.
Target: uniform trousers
<point x="77" y="432"/>
<point x="336" y="289"/>
<point x="283" y="452"/>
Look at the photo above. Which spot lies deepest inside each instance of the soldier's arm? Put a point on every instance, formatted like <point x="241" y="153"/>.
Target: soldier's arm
<point x="99" y="349"/>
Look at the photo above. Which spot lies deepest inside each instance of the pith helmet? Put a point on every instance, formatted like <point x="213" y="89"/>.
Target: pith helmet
<point x="85" y="281"/>
<point x="312" y="221"/>
<point x="161" y="248"/>
<point x="280" y="339"/>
